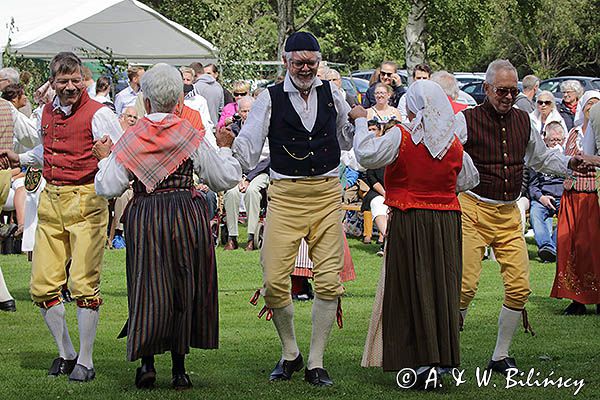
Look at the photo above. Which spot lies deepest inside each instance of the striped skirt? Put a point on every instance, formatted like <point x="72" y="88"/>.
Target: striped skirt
<point x="171" y="275"/>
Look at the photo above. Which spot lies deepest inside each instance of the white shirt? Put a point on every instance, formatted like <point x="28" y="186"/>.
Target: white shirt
<point x="125" y="98"/>
<point x="199" y="104"/>
<point x="375" y="152"/>
<point x="248" y="146"/>
<point x="104" y="122"/>
<point x="102" y="99"/>
<point x="217" y="167"/>
<point x="25" y="136"/>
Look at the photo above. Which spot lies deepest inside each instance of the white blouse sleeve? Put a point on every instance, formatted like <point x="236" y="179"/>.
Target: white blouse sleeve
<point x="468" y="176"/>
<point x="375" y="152"/>
<point x="219" y="169"/>
<point x="112" y="178"/>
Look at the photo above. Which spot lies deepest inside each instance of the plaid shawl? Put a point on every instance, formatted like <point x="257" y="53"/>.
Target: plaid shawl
<point x="6" y="126"/>
<point x="154" y="150"/>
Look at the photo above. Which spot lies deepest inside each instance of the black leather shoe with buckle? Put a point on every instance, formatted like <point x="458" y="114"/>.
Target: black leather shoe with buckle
<point x="60" y="366"/>
<point x="145" y="377"/>
<point x="502" y="366"/>
<point x="82" y="374"/>
<point x="8" y="305"/>
<point x="181" y="382"/>
<point x="317" y="377"/>
<point x="285" y="368"/>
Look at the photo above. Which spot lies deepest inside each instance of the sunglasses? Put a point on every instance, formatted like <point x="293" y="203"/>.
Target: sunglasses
<point x="383" y="73"/>
<point x="300" y="64"/>
<point x="544" y="103"/>
<point x="240" y="94"/>
<point x="503" y="92"/>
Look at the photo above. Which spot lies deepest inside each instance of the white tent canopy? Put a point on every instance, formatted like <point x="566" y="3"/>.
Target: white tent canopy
<point x="128" y="28"/>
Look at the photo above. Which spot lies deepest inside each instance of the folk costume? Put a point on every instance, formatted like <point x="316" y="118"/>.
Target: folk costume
<point x="415" y="320"/>
<point x="72" y="225"/>
<point x="578" y="254"/>
<point x="501" y="146"/>
<point x="171" y="268"/>
<point x="305" y="138"/>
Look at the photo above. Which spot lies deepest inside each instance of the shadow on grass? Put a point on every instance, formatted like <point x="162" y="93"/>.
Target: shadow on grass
<point x="36" y="360"/>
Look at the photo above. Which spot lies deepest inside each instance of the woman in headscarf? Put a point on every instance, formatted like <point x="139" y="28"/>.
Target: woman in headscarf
<point x="415" y="321"/>
<point x="171" y="271"/>
<point x="578" y="253"/>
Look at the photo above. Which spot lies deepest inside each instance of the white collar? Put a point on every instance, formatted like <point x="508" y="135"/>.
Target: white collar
<point x="65" y="109"/>
<point x="288" y="85"/>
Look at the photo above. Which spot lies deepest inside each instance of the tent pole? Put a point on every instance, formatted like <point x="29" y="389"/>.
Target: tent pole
<point x="87" y="41"/>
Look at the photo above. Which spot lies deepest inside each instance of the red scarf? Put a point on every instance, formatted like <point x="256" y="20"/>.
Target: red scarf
<point x="154" y="150"/>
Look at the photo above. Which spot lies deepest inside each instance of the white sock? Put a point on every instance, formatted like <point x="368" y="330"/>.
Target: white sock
<point x="87" y="320"/>
<point x="283" y="318"/>
<point x="508" y="321"/>
<point x="4" y="293"/>
<point x="323" y="315"/>
<point x="57" y="323"/>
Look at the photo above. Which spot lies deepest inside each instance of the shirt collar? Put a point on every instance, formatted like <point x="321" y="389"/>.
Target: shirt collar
<point x="289" y="87"/>
<point x="487" y="106"/>
<point x="56" y="105"/>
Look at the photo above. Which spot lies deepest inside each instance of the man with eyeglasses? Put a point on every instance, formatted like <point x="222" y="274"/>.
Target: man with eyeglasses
<point x="389" y="76"/>
<point x="502" y="141"/>
<point x="306" y="122"/>
<point x="72" y="218"/>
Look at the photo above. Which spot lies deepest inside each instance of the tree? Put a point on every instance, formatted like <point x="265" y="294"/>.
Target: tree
<point x="415" y="36"/>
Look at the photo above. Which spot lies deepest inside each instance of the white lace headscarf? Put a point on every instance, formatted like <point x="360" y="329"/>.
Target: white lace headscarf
<point x="587" y="96"/>
<point x="435" y="123"/>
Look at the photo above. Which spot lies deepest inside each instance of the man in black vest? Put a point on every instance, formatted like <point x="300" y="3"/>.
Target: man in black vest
<point x="306" y="122"/>
<point x="501" y="140"/>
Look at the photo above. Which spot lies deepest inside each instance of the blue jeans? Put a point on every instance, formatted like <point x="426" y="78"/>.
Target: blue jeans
<point x="541" y="222"/>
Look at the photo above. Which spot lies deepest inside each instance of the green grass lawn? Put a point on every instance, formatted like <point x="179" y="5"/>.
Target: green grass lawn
<point x="249" y="347"/>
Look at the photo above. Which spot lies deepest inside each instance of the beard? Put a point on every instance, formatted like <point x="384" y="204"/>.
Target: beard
<point x="302" y="84"/>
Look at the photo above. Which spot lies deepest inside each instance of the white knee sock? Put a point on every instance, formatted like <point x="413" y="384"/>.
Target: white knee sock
<point x="57" y="323"/>
<point x="508" y="321"/>
<point x="323" y="315"/>
<point x="87" y="320"/>
<point x="4" y="293"/>
<point x="283" y="318"/>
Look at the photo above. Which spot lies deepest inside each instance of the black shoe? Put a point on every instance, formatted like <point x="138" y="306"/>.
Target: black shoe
<point x="424" y="380"/>
<point x="317" y="377"/>
<point x="145" y="377"/>
<point x="66" y="295"/>
<point x="8" y="305"/>
<point x="576" y="308"/>
<point x="285" y="368"/>
<point x="60" y="366"/>
<point x="547" y="255"/>
<point x="597" y="308"/>
<point x="82" y="374"/>
<point x="181" y="382"/>
<point x="502" y="366"/>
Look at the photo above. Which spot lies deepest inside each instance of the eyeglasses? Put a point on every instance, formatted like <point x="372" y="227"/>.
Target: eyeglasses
<point x="238" y="94"/>
<point x="75" y="82"/>
<point x="300" y="64"/>
<point x="383" y="73"/>
<point x="544" y="103"/>
<point x="503" y="92"/>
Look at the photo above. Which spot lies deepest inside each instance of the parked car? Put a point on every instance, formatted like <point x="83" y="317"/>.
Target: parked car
<point x="553" y="84"/>
<point x="464" y="78"/>
<point x="475" y="89"/>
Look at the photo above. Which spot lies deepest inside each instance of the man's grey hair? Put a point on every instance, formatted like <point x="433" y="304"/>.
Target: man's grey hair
<point x="530" y="81"/>
<point x="245" y="100"/>
<point x="332" y="74"/>
<point x="288" y="54"/>
<point x="572" y="85"/>
<point x="162" y="85"/>
<point x="554" y="127"/>
<point x="9" y="73"/>
<point x="448" y="83"/>
<point x="496" y="66"/>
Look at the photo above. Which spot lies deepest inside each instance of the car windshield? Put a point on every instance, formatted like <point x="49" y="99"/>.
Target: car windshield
<point x="552" y="86"/>
<point x="471" y="88"/>
<point x="362" y="85"/>
<point x="596" y="84"/>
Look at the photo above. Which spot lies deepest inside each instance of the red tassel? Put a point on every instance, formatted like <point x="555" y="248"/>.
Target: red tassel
<point x="255" y="297"/>
<point x="526" y="324"/>
<point x="340" y="314"/>
<point x="263" y="311"/>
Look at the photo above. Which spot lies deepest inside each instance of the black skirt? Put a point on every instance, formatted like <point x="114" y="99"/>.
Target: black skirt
<point x="422" y="289"/>
<point x="171" y="275"/>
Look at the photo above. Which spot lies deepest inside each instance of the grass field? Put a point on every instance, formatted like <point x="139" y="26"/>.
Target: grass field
<point x="249" y="347"/>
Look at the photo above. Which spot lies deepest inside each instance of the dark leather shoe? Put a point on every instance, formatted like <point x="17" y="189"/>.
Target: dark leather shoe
<point x="8" y="305"/>
<point x="317" y="377"/>
<point x="82" y="374"/>
<point x="231" y="245"/>
<point x="250" y="246"/>
<point x="575" y="308"/>
<point x="547" y="255"/>
<point x="429" y="380"/>
<point x="502" y="366"/>
<point x="60" y="366"/>
<point x="145" y="377"/>
<point x="181" y="382"/>
<point x="285" y="368"/>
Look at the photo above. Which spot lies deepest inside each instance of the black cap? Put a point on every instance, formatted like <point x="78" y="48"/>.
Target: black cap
<point x="302" y="41"/>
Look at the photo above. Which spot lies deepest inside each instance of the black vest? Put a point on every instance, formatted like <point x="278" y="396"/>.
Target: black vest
<point x="296" y="151"/>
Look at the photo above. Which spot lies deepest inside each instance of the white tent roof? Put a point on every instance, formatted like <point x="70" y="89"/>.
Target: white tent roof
<point x="132" y="30"/>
